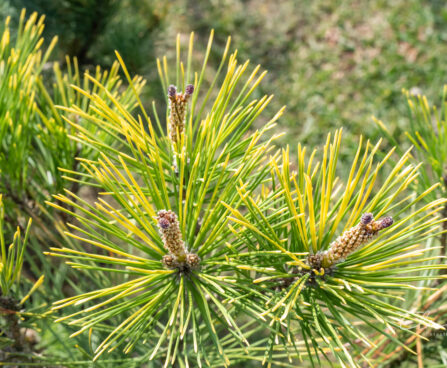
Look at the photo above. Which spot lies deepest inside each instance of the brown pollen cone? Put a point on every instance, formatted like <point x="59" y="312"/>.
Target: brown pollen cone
<point x="193" y="260"/>
<point x="177" y="108"/>
<point x="171" y="234"/>
<point x="354" y="238"/>
<point x="178" y="257"/>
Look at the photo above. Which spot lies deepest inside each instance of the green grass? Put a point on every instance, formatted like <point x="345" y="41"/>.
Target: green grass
<point x="336" y="63"/>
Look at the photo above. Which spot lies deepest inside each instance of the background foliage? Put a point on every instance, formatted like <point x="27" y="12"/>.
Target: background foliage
<point x="333" y="63"/>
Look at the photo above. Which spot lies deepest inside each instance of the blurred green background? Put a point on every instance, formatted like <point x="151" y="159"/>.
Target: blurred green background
<point x="333" y="63"/>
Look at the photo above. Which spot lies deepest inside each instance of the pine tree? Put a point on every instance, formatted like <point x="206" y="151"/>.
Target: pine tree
<point x="200" y="243"/>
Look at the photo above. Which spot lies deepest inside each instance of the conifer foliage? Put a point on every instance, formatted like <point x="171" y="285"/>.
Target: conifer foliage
<point x="204" y="245"/>
<point x="318" y="280"/>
